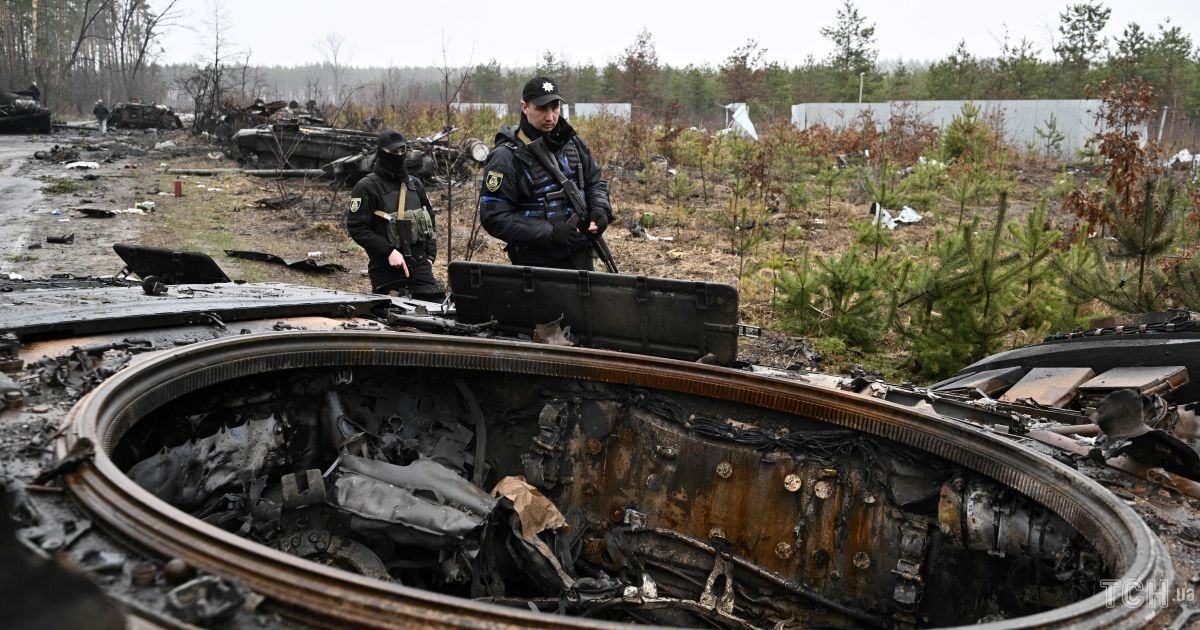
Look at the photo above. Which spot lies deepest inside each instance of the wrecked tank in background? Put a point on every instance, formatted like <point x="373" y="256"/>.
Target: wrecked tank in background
<point x="431" y="158"/>
<point x="293" y="146"/>
<point x="260" y="113"/>
<point x="352" y="474"/>
<point x="142" y="116"/>
<point x="20" y="114"/>
<point x="347" y="155"/>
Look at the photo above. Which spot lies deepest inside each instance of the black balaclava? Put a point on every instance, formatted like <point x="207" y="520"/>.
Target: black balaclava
<point x="391" y="164"/>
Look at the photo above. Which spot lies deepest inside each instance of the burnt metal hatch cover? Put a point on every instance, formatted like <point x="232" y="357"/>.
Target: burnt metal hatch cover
<point x="675" y="319"/>
<point x="57" y="312"/>
<point x="170" y="266"/>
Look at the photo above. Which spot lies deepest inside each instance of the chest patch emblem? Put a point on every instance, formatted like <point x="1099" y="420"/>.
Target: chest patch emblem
<point x="493" y="180"/>
<point x="355" y="204"/>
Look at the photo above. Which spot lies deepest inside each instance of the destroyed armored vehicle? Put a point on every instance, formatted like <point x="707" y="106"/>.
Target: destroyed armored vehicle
<point x="289" y="146"/>
<point x="260" y="113"/>
<point x="20" y="114"/>
<point x="265" y="455"/>
<point x="347" y="155"/>
<point x="432" y="158"/>
<point x="141" y="116"/>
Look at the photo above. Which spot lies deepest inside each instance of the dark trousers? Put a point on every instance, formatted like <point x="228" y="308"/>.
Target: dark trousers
<point x="421" y="285"/>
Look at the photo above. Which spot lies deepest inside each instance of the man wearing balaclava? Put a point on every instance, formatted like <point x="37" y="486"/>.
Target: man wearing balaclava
<point x="391" y="218"/>
<point x="522" y="204"/>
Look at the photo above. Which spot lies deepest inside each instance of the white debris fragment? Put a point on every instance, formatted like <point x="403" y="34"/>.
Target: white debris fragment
<point x="82" y="165"/>
<point x="908" y="215"/>
<point x="882" y="216"/>
<point x="1183" y="157"/>
<point x="167" y="144"/>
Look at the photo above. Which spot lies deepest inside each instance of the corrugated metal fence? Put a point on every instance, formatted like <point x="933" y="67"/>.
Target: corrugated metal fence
<point x="1074" y="119"/>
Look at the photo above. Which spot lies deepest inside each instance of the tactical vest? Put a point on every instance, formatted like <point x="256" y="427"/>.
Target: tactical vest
<point x="549" y="200"/>
<point x="423" y="237"/>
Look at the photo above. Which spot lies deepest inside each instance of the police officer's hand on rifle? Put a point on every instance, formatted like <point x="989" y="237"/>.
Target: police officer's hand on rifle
<point x="599" y="221"/>
<point x="396" y="259"/>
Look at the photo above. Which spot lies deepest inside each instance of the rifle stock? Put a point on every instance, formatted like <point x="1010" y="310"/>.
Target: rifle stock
<point x="579" y="213"/>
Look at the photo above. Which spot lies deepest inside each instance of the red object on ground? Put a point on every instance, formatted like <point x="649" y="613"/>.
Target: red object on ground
<point x="178" y="188"/>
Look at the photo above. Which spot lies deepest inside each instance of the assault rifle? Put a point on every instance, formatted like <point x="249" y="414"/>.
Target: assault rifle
<point x="579" y="212"/>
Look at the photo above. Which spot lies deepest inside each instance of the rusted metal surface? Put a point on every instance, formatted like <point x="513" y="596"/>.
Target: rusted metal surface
<point x="1122" y="463"/>
<point x="1147" y="380"/>
<point x="45" y="312"/>
<point x="1103" y="353"/>
<point x="840" y="516"/>
<point x="164" y="338"/>
<point x="1049" y="387"/>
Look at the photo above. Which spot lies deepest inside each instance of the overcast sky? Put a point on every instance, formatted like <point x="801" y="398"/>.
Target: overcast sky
<point x="411" y="33"/>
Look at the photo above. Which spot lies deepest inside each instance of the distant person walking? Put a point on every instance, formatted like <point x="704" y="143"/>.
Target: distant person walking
<point x="101" y="114"/>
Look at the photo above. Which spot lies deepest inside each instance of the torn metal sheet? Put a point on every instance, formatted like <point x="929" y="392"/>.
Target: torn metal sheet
<point x="170" y="265"/>
<point x="304" y="264"/>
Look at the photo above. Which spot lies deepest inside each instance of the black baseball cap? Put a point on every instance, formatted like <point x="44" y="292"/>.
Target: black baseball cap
<point x="539" y="91"/>
<point x="390" y="140"/>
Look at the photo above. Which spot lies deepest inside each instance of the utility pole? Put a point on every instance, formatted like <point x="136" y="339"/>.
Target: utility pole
<point x="860" y="85"/>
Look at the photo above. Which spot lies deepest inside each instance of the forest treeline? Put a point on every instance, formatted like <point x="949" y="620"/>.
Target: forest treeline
<point x="86" y="49"/>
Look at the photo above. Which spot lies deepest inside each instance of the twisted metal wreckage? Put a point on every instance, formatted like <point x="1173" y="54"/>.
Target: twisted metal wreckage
<point x="273" y="455"/>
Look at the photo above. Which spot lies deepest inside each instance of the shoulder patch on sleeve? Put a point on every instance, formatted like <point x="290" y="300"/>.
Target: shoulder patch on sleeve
<point x="493" y="180"/>
<point x="355" y="204"/>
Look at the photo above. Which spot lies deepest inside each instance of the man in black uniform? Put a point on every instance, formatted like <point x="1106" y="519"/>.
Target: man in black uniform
<point x="391" y="218"/>
<point x="523" y="205"/>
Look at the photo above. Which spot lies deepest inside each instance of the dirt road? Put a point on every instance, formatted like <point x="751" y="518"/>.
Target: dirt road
<point x="38" y="200"/>
<point x="20" y="198"/>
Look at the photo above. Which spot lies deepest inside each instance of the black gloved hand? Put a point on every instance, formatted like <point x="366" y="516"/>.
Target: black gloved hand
<point x="600" y="218"/>
<point x="563" y="233"/>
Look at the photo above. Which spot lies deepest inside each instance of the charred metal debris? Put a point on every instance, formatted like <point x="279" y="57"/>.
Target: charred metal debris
<point x="521" y="496"/>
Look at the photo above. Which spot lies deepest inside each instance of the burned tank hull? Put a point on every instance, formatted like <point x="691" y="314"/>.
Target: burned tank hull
<point x="22" y="115"/>
<point x="296" y="450"/>
<point x="299" y="147"/>
<point x="693" y="494"/>
<point x="142" y="116"/>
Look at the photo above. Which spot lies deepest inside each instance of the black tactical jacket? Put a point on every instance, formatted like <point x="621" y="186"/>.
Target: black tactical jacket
<point x="513" y="206"/>
<point x="380" y="190"/>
